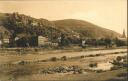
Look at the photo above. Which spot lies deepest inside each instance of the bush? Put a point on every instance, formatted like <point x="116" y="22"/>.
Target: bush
<point x="82" y="56"/>
<point x="91" y="55"/>
<point x="120" y="42"/>
<point x="53" y="59"/>
<point x="119" y="58"/>
<point x="93" y="65"/>
<point x="97" y="54"/>
<point x="80" y="71"/>
<point x="114" y="68"/>
<point x="64" y="58"/>
<point x="36" y="50"/>
<point x="43" y="61"/>
<point x="99" y="71"/>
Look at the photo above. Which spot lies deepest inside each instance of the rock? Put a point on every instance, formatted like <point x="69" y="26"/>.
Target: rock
<point x="63" y="69"/>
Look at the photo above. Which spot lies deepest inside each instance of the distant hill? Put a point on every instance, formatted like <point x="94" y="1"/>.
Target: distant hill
<point x="84" y="29"/>
<point x="19" y="24"/>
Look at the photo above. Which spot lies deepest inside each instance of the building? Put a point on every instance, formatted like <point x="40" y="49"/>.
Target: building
<point x="42" y="41"/>
<point x="31" y="41"/>
<point x="6" y="40"/>
<point x="4" y="37"/>
<point x="123" y="35"/>
<point x="122" y="41"/>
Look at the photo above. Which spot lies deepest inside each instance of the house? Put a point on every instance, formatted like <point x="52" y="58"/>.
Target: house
<point x="123" y="38"/>
<point x="83" y="42"/>
<point x="22" y="40"/>
<point x="6" y="40"/>
<point x="42" y="41"/>
<point x="4" y="37"/>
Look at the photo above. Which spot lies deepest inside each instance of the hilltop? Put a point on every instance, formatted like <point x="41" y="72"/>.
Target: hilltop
<point x="85" y="29"/>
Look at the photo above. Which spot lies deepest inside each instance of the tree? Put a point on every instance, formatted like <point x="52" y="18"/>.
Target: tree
<point x="119" y="42"/>
<point x="63" y="40"/>
<point x="108" y="42"/>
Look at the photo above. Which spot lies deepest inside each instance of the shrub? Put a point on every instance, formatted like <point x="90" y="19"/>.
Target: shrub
<point x="99" y="71"/>
<point x="82" y="56"/>
<point x="64" y="58"/>
<point x="120" y="42"/>
<point x="53" y="59"/>
<point x="97" y="54"/>
<point x="43" y="61"/>
<point x="114" y="68"/>
<point x="91" y="55"/>
<point x="80" y="71"/>
<point x="36" y="50"/>
<point x="119" y="58"/>
<point x="22" y="62"/>
<point x="93" y="65"/>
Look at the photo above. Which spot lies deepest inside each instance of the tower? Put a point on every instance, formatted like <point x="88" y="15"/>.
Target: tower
<point x="123" y="36"/>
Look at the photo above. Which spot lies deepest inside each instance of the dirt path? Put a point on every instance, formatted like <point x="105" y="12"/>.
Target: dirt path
<point x="43" y="56"/>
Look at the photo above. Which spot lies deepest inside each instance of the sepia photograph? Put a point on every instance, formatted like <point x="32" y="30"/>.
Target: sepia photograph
<point x="63" y="40"/>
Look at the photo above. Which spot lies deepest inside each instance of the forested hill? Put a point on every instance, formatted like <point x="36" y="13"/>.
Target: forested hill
<point x="20" y="24"/>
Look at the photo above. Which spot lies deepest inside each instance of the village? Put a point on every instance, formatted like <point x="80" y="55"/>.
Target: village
<point x="29" y="58"/>
<point x="7" y="41"/>
<point x="39" y="49"/>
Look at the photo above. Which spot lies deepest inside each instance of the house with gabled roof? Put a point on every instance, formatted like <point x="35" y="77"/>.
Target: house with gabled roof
<point x="4" y="36"/>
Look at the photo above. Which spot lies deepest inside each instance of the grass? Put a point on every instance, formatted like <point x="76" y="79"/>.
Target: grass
<point x="28" y="70"/>
<point x="104" y="76"/>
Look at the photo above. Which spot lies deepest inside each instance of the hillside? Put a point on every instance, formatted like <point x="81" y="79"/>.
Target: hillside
<point x="2" y="17"/>
<point x="22" y="25"/>
<point x="84" y="29"/>
<point x="19" y="24"/>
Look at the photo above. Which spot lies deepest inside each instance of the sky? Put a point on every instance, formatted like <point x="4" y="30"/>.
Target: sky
<point x="110" y="14"/>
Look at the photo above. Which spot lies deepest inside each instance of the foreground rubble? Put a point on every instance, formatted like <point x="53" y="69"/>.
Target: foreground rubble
<point x="63" y="69"/>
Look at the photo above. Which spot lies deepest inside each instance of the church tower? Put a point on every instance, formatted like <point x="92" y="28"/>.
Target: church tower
<point x="123" y="36"/>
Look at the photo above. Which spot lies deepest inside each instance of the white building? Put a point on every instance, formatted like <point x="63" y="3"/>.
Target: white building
<point x="6" y="40"/>
<point x="42" y="40"/>
<point x="4" y="36"/>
